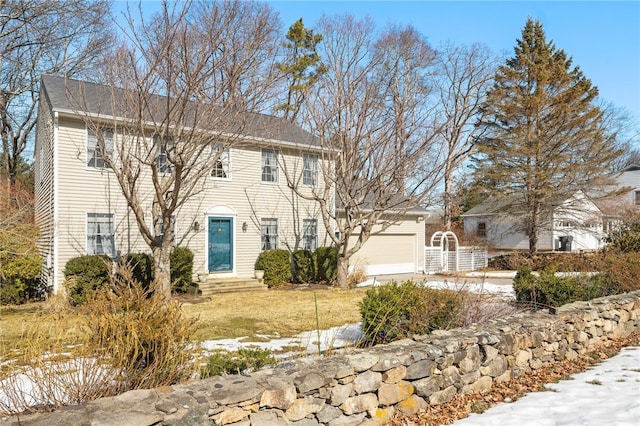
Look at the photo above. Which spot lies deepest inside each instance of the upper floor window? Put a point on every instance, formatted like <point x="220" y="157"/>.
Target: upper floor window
<point x="310" y="234"/>
<point x="269" y="165"/>
<point x="101" y="234"/>
<point x="269" y="233"/>
<point x="96" y="155"/>
<point x="222" y="167"/>
<point x="164" y="148"/>
<point x="309" y="169"/>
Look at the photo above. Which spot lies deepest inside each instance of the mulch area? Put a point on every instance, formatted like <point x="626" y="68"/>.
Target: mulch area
<point x="461" y="406"/>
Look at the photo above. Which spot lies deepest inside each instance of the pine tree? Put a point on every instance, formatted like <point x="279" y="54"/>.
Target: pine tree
<point x="303" y="69"/>
<point x="546" y="138"/>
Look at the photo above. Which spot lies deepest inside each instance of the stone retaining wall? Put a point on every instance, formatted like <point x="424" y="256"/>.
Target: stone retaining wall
<point x="369" y="386"/>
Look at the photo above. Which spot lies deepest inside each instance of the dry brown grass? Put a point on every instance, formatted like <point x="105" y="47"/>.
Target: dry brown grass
<point x="274" y="312"/>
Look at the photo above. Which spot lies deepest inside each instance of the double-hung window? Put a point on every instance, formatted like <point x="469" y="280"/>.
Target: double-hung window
<point x="309" y="169"/>
<point x="310" y="234"/>
<point x="481" y="229"/>
<point x="269" y="165"/>
<point x="97" y="153"/>
<point x="636" y="198"/>
<point x="100" y="234"/>
<point x="222" y="166"/>
<point x="164" y="148"/>
<point x="269" y="233"/>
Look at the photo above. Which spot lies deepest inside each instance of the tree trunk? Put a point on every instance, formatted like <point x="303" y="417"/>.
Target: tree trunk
<point x="534" y="221"/>
<point x="162" y="263"/>
<point x="343" y="271"/>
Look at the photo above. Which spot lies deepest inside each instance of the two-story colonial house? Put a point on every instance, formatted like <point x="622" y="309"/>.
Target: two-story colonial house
<point x="244" y="205"/>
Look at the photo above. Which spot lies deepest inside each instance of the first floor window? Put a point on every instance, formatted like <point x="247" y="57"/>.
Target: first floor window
<point x="481" y="230"/>
<point x="95" y="153"/>
<point x="269" y="233"/>
<point x="310" y="234"/>
<point x="269" y="165"/>
<point x="100" y="234"/>
<point x="637" y="198"/>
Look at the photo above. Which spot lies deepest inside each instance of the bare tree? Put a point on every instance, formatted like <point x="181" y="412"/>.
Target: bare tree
<point x="175" y="110"/>
<point x="42" y="37"/>
<point x="369" y="113"/>
<point x="464" y="76"/>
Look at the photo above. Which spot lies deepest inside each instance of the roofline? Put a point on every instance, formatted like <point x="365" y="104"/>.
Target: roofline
<point x="263" y="141"/>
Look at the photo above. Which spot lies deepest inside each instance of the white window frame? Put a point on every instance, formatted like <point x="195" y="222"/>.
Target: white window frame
<point x="174" y="222"/>
<point x="310" y="234"/>
<point x="268" y="233"/>
<point x="309" y="169"/>
<point x="105" y="240"/>
<point x="163" y="164"/>
<point x="267" y="169"/>
<point x="223" y="163"/>
<point x="93" y="154"/>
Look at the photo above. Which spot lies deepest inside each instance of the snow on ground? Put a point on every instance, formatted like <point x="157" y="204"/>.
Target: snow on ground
<point x="605" y="394"/>
<point x="505" y="291"/>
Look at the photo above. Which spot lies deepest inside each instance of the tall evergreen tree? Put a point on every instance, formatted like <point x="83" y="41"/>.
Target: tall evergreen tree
<point x="546" y="138"/>
<point x="303" y="67"/>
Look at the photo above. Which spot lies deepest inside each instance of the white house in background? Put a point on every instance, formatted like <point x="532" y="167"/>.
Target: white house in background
<point x="577" y="223"/>
<point x="245" y="206"/>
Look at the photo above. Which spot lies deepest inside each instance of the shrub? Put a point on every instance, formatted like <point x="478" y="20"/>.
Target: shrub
<point x="141" y="265"/>
<point x="304" y="268"/>
<point x="144" y="338"/>
<point x="276" y="265"/>
<point x="326" y="260"/>
<point x="551" y="290"/>
<point x="356" y="277"/>
<point x="621" y="272"/>
<point x="391" y="312"/>
<point x="224" y="362"/>
<point x="20" y="279"/>
<point x="181" y="269"/>
<point x="85" y="275"/>
<point x="625" y="237"/>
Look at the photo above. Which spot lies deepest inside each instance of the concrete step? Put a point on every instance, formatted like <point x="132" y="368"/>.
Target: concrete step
<point x="216" y="286"/>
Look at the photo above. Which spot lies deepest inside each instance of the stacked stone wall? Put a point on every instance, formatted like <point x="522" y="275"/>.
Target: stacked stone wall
<point x="370" y="386"/>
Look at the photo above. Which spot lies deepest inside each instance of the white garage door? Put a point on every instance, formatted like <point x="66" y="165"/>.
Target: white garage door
<point x="387" y="254"/>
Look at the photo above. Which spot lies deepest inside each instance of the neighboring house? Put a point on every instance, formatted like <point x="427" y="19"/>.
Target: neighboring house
<point x="244" y="207"/>
<point x="577" y="223"/>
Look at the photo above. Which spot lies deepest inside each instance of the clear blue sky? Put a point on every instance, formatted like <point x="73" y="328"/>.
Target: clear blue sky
<point x="603" y="37"/>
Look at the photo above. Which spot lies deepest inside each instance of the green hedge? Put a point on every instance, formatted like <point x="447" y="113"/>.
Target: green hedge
<point x="547" y="289"/>
<point x="326" y="260"/>
<point x="181" y="269"/>
<point x="304" y="266"/>
<point x="141" y="265"/>
<point x="276" y="265"/>
<point x="395" y="311"/>
<point x="85" y="275"/>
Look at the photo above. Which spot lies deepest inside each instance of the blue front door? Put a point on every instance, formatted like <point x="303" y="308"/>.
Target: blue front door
<point x="220" y="244"/>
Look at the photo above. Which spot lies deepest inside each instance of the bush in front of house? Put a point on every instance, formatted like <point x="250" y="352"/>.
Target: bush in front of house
<point x="304" y="267"/>
<point x="85" y="275"/>
<point x="326" y="260"/>
<point x="20" y="279"/>
<point x="181" y="269"/>
<point x="625" y="237"/>
<point x="141" y="266"/>
<point x="621" y="272"/>
<point x="395" y="311"/>
<point x="276" y="265"/>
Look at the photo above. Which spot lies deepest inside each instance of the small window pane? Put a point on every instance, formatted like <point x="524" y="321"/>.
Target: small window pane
<point x="482" y="229"/>
<point x="164" y="149"/>
<point x="269" y="233"/>
<point x="269" y="165"/>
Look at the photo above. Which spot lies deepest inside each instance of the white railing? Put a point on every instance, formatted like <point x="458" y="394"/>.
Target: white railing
<point x="445" y="255"/>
